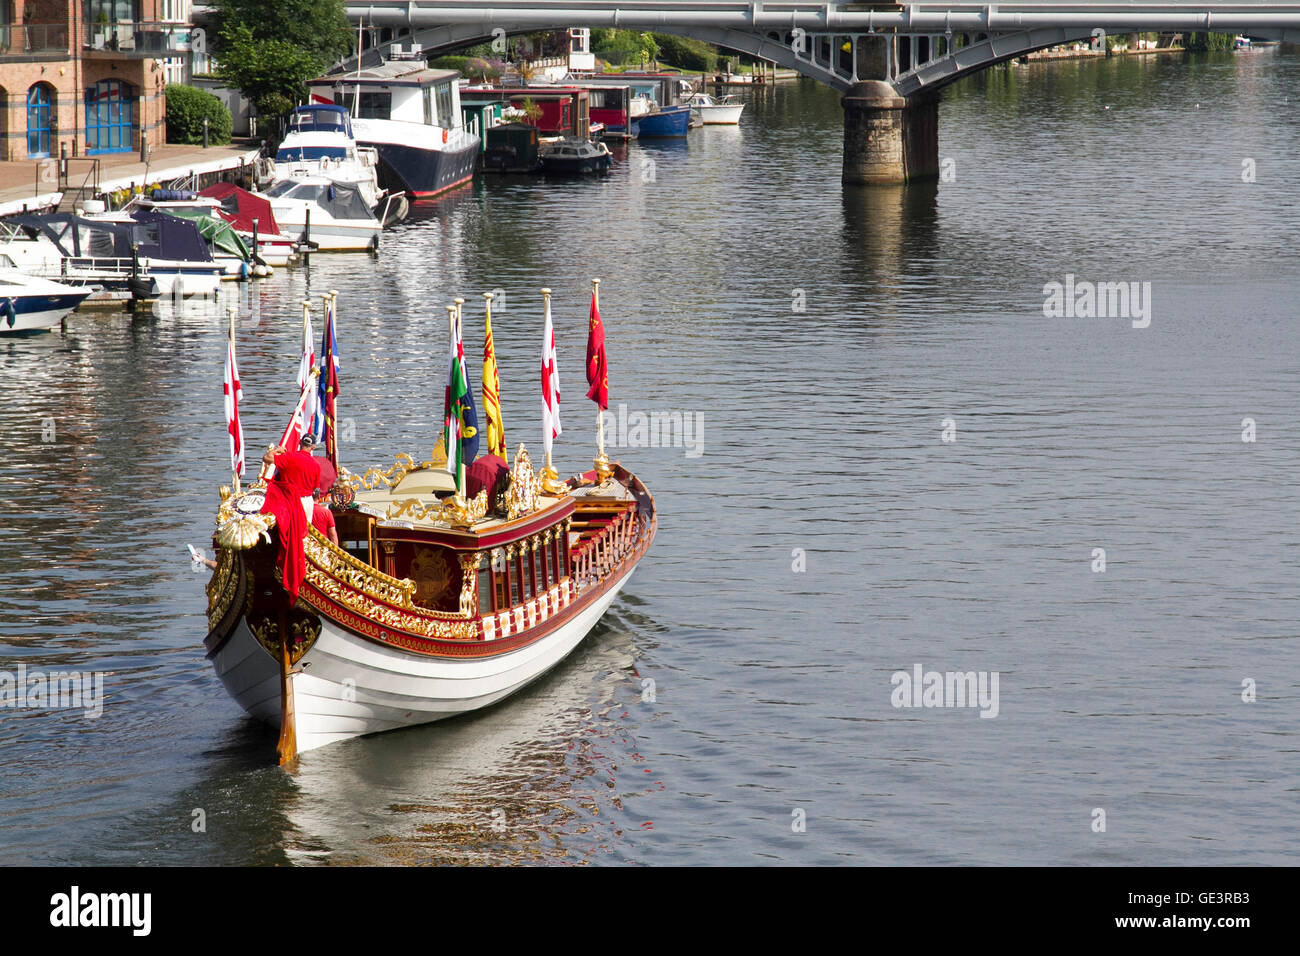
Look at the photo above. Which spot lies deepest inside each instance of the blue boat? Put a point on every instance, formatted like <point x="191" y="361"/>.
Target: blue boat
<point x="666" y="121"/>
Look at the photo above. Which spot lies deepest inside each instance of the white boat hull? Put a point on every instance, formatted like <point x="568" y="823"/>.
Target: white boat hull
<point x="329" y="236"/>
<point x="177" y="279"/>
<point x="719" y="115"/>
<point x="32" y="304"/>
<point x="346" y="686"/>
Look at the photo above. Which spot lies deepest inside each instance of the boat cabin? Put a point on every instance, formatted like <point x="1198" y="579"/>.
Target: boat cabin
<point x="564" y="110"/>
<point x="399" y="91"/>
<point x="324" y="131"/>
<point x="512" y="564"/>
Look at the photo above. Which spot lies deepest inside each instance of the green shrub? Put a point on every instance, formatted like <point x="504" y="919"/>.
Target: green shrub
<point x="457" y="63"/>
<point x="693" y="55"/>
<point x="187" y="107"/>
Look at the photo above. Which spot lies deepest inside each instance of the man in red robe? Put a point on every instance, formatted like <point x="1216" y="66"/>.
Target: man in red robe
<point x="289" y="498"/>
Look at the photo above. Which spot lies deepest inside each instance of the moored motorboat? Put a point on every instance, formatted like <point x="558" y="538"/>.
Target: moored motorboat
<point x="410" y="115"/>
<point x="448" y="590"/>
<point x="253" y="218"/>
<point x="713" y="111"/>
<point x="570" y="156"/>
<point x="32" y="304"/>
<point x="167" y="256"/>
<point x="331" y="215"/>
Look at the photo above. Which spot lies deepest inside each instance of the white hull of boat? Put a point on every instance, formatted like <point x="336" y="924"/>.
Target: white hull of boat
<point x="346" y="686"/>
<point x="720" y="115"/>
<point x="32" y="304"/>
<point x="329" y="236"/>
<point x="175" y="279"/>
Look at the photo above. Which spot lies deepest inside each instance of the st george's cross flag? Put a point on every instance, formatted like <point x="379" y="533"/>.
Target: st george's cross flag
<point x="306" y="382"/>
<point x="550" y="385"/>
<point x="233" y="393"/>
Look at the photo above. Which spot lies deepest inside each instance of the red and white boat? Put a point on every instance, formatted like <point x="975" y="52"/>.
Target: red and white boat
<point x="431" y="605"/>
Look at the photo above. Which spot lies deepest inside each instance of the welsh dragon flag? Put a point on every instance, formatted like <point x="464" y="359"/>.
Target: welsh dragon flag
<point x="460" y="419"/>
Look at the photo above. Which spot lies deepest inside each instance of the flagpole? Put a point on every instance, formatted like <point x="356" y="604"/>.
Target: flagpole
<point x="448" y="437"/>
<point x="600" y="422"/>
<point x="550" y="477"/>
<point x="331" y="413"/>
<point x="232" y="310"/>
<point x="459" y="337"/>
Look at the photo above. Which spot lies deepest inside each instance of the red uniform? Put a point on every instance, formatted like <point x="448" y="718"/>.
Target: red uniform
<point x="296" y="474"/>
<point x="322" y="519"/>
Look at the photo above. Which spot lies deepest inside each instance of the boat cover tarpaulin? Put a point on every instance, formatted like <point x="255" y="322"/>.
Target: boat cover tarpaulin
<point x="160" y="237"/>
<point x="240" y="208"/>
<point x="218" y="233"/>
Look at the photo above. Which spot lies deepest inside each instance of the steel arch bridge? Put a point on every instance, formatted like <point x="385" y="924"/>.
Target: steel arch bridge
<point x="887" y="58"/>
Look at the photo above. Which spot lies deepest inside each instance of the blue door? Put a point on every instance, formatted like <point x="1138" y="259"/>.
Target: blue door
<point x="110" y="112"/>
<point x="40" y="116"/>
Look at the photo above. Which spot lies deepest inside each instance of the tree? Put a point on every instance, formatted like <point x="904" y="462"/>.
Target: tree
<point x="268" y="51"/>
<point x="272" y="73"/>
<point x="319" y="27"/>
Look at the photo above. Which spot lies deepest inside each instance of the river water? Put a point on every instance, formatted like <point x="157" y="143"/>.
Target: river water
<point x="817" y="534"/>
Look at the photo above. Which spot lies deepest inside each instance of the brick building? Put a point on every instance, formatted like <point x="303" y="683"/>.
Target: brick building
<point x="87" y="76"/>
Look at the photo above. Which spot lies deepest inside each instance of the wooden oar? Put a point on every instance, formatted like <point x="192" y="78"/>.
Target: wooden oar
<point x="287" y="748"/>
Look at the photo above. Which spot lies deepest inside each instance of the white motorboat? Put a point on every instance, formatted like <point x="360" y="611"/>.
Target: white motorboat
<point x="332" y="216"/>
<point x="32" y="304"/>
<point x="713" y="111"/>
<point x="139" y="258"/>
<point x="320" y="142"/>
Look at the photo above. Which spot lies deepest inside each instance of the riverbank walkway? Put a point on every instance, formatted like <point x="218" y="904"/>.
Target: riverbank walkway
<point x="20" y="187"/>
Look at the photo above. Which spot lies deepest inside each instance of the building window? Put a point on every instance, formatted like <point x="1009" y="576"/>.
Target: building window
<point x="110" y="11"/>
<point x="110" y="115"/>
<point x="40" y="120"/>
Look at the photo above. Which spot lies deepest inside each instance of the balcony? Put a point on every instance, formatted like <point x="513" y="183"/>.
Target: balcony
<point x="26" y="41"/>
<point x="138" y="39"/>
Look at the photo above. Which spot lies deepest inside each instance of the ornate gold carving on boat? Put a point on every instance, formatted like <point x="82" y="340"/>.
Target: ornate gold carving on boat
<point x="521" y="496"/>
<point x="403" y="464"/>
<point x="445" y="510"/>
<point x="303" y="626"/>
<point x="338" y="564"/>
<point x="379" y="598"/>
<point x="222" y="587"/>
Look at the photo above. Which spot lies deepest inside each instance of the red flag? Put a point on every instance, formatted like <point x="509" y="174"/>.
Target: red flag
<point x="597" y="370"/>
<point x="233" y="392"/>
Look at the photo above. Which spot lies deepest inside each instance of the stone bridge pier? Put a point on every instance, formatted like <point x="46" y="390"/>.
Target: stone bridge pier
<point x="889" y="138"/>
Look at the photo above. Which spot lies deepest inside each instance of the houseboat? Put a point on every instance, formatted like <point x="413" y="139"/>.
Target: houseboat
<point x="410" y="115"/>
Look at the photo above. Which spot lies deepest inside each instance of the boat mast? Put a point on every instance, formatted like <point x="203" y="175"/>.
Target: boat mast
<point x="356" y="90"/>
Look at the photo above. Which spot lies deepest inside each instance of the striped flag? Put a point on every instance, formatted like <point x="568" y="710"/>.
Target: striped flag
<point x="460" y="420"/>
<point x="324" y="425"/>
<point x="496" y="431"/>
<point x="233" y="393"/>
<point x="550" y="384"/>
